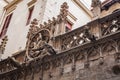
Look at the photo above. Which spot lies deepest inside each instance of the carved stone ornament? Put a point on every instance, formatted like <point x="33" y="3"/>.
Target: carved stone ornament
<point x="64" y="10"/>
<point x="37" y="45"/>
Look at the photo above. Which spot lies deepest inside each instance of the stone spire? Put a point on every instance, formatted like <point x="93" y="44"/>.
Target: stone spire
<point x="64" y="10"/>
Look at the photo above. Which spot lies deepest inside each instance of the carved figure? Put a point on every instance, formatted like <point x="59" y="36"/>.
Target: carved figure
<point x="88" y="35"/>
<point x="49" y="49"/>
<point x="38" y="45"/>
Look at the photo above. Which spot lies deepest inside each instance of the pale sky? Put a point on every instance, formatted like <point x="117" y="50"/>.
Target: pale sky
<point x="87" y="3"/>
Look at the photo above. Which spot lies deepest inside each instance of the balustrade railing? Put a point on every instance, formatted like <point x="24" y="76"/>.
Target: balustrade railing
<point x="73" y="39"/>
<point x="89" y="32"/>
<point x="110" y="24"/>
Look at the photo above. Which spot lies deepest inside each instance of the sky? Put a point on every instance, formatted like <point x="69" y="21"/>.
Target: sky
<point x="2" y="3"/>
<point x="87" y="3"/>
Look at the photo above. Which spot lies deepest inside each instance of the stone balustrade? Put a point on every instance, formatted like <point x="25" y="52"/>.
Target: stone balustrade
<point x="98" y="28"/>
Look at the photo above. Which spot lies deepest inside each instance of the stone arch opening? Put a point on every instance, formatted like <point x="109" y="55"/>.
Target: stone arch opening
<point x="116" y="69"/>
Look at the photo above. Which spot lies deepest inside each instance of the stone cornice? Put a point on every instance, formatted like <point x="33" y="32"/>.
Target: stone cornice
<point x="14" y="2"/>
<point x="72" y="16"/>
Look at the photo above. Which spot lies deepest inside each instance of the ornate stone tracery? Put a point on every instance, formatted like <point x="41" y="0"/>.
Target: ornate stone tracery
<point x="111" y="27"/>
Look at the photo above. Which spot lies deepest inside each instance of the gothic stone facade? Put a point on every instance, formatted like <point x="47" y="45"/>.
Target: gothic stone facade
<point x="91" y="52"/>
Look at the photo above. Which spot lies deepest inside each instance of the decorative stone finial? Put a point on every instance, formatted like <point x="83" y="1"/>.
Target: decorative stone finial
<point x="64" y="10"/>
<point x="53" y="18"/>
<point x="49" y="21"/>
<point x="33" y="28"/>
<point x="54" y="21"/>
<point x="45" y="24"/>
<point x="41" y="26"/>
<point x="35" y="21"/>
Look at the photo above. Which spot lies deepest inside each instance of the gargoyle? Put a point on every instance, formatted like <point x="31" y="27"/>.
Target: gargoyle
<point x="47" y="47"/>
<point x="89" y="35"/>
